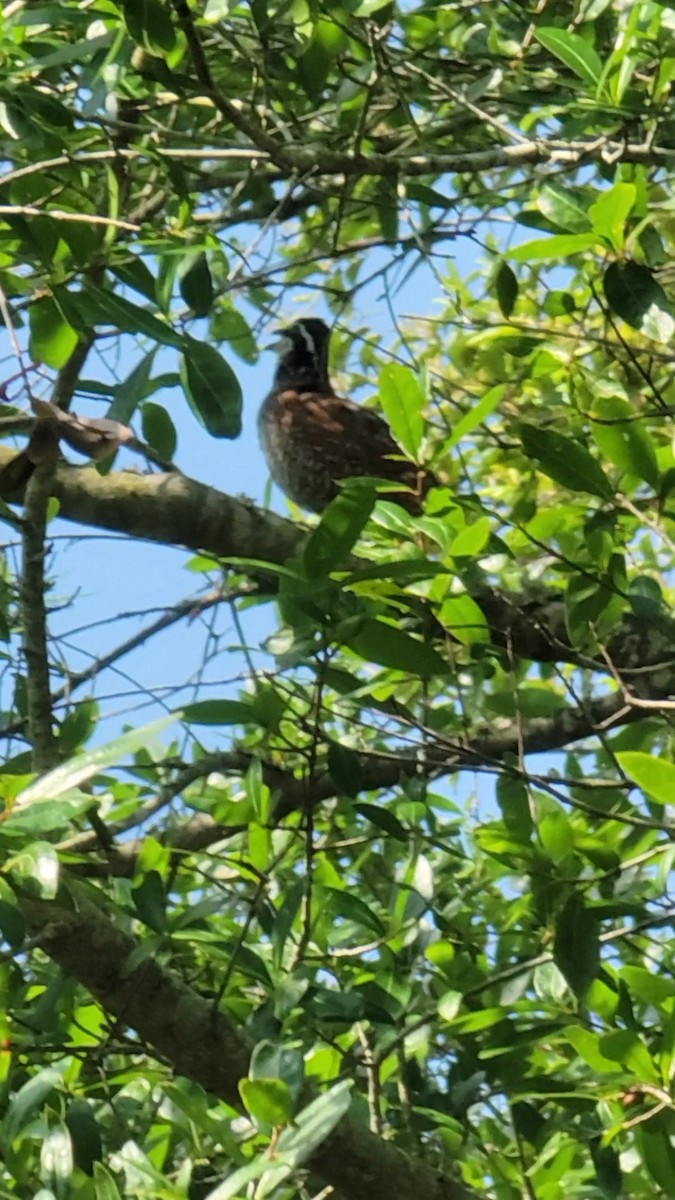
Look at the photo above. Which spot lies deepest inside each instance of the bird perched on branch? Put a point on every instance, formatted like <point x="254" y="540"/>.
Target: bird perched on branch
<point x="312" y="438"/>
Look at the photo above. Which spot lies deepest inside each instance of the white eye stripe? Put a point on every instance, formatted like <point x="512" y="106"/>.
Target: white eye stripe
<point x="307" y="338"/>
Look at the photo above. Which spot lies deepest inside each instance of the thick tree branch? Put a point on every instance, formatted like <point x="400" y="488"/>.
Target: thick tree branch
<point x="174" y="510"/>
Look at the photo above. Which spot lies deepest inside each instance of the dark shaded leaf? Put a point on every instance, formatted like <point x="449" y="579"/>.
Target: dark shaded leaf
<point x="391" y="647"/>
<point x="565" y="461"/>
<point x="212" y="389"/>
<point x="507" y="289"/>
<point x="100" y="307"/>
<point x="195" y="283"/>
<point x="633" y="294"/>
<point x="384" y="819"/>
<point x="576" y="948"/>
<point x="159" y="430"/>
<point x="341" y="524"/>
<point x="150" y="901"/>
<point x="84" y="1134"/>
<point x="344" y="768"/>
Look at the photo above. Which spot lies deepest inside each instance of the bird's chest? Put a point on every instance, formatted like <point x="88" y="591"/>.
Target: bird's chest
<point x="299" y="460"/>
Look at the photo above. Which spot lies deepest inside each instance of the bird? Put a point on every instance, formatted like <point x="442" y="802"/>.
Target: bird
<point x="314" y="439"/>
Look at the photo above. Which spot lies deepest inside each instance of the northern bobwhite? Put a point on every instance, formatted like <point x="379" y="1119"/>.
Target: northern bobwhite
<point x="313" y="438"/>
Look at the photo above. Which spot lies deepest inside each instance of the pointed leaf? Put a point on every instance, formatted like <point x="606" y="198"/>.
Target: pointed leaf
<point x="623" y="440"/>
<point x="574" y="51"/>
<point x="565" y="461"/>
<point x="212" y="389"/>
<point x="89" y="763"/>
<point x="633" y="294"/>
<point x="402" y="400"/>
<point x="195" y="283"/>
<point x="341" y="524"/>
<point x="391" y="647"/>
<point x="655" y="776"/>
<point x="576" y="948"/>
<point x="268" y="1101"/>
<point x="52" y="339"/>
<point x="507" y="289"/>
<point x="100" y="307"/>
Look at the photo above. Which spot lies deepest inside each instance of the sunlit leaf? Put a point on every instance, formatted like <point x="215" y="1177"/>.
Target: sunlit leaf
<point x="402" y="400"/>
<point x="572" y="50"/>
<point x="656" y="776"/>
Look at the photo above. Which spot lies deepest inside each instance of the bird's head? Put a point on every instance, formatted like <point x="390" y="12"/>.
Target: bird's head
<point x="302" y="349"/>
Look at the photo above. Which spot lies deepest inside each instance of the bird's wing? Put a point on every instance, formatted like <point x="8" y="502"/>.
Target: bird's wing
<point x="352" y="436"/>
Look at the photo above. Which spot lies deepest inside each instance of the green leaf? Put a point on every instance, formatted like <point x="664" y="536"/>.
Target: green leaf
<point x="229" y="325"/>
<point x="655" y="776"/>
<point x="650" y="988"/>
<point x="576" y="947"/>
<point x="150" y="901"/>
<point x="149" y="23"/>
<point x="611" y="211"/>
<point x="28" y="1100"/>
<point x="212" y="389"/>
<point x="471" y="540"/>
<point x="574" y="51"/>
<point x="463" y="618"/>
<point x="12" y="924"/>
<point x="56" y="1159"/>
<point x="100" y="307"/>
<point x="342" y="522"/>
<point x="312" y="1126"/>
<point x="475" y="417"/>
<point x="220" y="712"/>
<point x="104" y="1183"/>
<point x="267" y="1101"/>
<point x="159" y="430"/>
<point x="85" y="1135"/>
<point x="271" y="1060"/>
<point x="565" y="207"/>
<point x="646" y="597"/>
<point x="328" y="40"/>
<point x="344" y="768"/>
<point x="52" y="339"/>
<point x="134" y="273"/>
<point x="352" y="908"/>
<point x="658" y="1154"/>
<point x="565" y="461"/>
<point x="84" y="766"/>
<point x="379" y="642"/>
<point x="402" y="400"/>
<point x="383" y="819"/>
<point x="195" y="283"/>
<point x="558" y="246"/>
<point x="36" y="870"/>
<point x="626" y="1047"/>
<point x="634" y="295"/>
<point x="133" y="390"/>
<point x="623" y="440"/>
<point x="506" y="285"/>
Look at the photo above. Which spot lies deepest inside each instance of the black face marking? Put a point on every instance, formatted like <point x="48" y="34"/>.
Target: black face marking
<point x="303" y="355"/>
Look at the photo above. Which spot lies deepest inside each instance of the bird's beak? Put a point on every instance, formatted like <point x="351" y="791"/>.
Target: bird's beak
<point x="280" y="343"/>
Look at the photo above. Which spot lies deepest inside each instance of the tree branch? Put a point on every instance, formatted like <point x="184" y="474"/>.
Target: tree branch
<point x="174" y="510"/>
